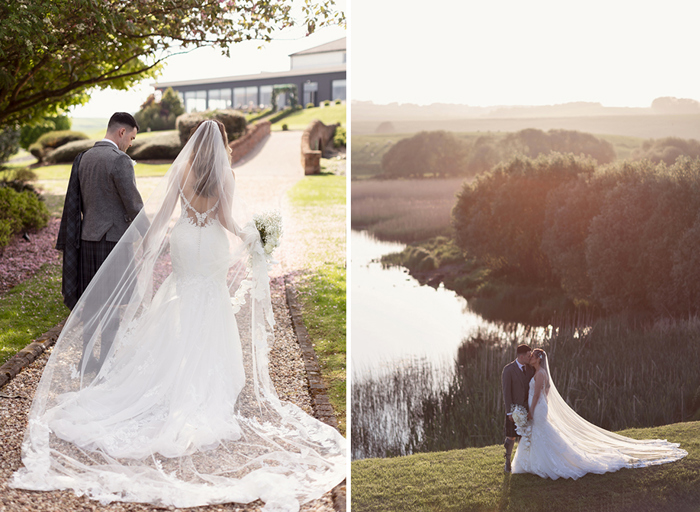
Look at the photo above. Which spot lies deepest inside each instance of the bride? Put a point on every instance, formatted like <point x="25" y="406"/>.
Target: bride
<point x="562" y="444"/>
<point x="182" y="412"/>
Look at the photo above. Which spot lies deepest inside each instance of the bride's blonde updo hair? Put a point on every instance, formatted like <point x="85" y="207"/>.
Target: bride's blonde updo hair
<point x="203" y="168"/>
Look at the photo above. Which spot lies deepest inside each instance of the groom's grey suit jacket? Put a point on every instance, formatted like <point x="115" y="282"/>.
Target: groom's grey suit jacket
<point x="110" y="199"/>
<point x="516" y="384"/>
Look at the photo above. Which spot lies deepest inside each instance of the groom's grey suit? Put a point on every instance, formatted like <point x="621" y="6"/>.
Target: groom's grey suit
<point x="516" y="385"/>
<point x="108" y="189"/>
<point x="110" y="201"/>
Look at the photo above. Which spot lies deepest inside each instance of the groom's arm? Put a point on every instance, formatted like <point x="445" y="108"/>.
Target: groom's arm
<point x="125" y="183"/>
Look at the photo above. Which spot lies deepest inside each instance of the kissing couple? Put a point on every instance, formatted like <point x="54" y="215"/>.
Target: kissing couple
<point x="554" y="440"/>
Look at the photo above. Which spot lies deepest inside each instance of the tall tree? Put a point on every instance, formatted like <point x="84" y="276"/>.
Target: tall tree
<point x="53" y="51"/>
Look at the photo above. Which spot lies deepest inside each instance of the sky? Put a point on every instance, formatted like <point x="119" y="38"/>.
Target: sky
<point x="511" y="52"/>
<point x="245" y="59"/>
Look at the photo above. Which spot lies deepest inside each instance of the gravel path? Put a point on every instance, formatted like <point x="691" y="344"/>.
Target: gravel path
<point x="264" y="179"/>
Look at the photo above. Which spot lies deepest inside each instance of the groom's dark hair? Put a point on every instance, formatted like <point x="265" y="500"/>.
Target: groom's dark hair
<point x="523" y="349"/>
<point x="122" y="119"/>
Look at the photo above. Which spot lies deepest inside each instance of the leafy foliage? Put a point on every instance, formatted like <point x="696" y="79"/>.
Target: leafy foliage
<point x="9" y="143"/>
<point x="52" y="52"/>
<point x="437" y="153"/>
<point x="340" y="137"/>
<point x="31" y="133"/>
<point x="160" y="115"/>
<point x="499" y="217"/>
<point x="20" y="211"/>
<point x="667" y="149"/>
<point x="52" y="140"/>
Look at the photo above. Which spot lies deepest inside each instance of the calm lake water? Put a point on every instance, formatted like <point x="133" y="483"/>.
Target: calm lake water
<point x="395" y="320"/>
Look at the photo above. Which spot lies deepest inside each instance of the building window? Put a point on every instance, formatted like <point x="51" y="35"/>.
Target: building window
<point x="239" y="99"/>
<point x="219" y="99"/>
<point x="265" y="96"/>
<point x="310" y="90"/>
<point x="338" y="90"/>
<point x="251" y="97"/>
<point x="196" y="101"/>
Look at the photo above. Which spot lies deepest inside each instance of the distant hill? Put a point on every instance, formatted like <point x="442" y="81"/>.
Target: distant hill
<point x="666" y="117"/>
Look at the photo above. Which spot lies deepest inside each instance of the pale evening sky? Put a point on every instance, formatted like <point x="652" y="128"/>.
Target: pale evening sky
<point x="510" y="52"/>
<point x="245" y="59"/>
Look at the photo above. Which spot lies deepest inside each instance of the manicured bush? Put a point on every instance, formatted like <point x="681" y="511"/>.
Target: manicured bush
<point x="338" y="102"/>
<point x="285" y="127"/>
<point x="327" y="103"/>
<point x="310" y="105"/>
<point x="20" y="211"/>
<point x="52" y="140"/>
<point x="159" y="147"/>
<point x="68" y="152"/>
<point x="233" y="120"/>
<point x="340" y="137"/>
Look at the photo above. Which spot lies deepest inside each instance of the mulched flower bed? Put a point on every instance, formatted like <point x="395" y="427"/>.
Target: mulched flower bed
<point x="21" y="258"/>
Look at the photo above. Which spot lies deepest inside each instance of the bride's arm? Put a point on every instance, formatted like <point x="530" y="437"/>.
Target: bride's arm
<point x="248" y="233"/>
<point x="539" y="385"/>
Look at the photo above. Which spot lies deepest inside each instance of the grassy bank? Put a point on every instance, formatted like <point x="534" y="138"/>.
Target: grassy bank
<point x="30" y="309"/>
<point x="319" y="206"/>
<point x="473" y="480"/>
<point x="300" y="120"/>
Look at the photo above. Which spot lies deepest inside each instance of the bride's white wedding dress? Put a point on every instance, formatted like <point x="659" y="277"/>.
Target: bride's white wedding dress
<point x="183" y="412"/>
<point x="562" y="444"/>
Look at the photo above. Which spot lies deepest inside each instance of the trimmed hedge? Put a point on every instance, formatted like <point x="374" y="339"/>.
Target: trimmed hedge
<point x="52" y="140"/>
<point x="233" y="120"/>
<point x="20" y="211"/>
<point x="158" y="147"/>
<point x="68" y="152"/>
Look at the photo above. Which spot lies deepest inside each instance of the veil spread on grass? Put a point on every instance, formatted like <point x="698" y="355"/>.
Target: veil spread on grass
<point x="600" y="444"/>
<point x="158" y="388"/>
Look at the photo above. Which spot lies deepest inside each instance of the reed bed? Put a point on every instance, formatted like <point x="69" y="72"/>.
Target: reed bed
<point x="615" y="375"/>
<point x="404" y="210"/>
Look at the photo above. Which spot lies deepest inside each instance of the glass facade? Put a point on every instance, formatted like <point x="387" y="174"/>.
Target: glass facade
<point x="265" y="96"/>
<point x="195" y="101"/>
<point x="310" y="91"/>
<point x="338" y="92"/>
<point x="219" y="99"/>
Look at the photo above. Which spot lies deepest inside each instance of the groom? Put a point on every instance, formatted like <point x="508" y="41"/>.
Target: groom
<point x="515" y="381"/>
<point x="101" y="202"/>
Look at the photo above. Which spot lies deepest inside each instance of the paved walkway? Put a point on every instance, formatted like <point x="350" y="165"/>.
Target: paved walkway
<point x="263" y="178"/>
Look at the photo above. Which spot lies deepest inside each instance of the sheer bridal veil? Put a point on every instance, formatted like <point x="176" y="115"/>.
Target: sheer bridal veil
<point x="600" y="444"/>
<point x="158" y="389"/>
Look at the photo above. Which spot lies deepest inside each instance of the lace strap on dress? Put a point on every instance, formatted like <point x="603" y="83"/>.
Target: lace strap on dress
<point x="201" y="218"/>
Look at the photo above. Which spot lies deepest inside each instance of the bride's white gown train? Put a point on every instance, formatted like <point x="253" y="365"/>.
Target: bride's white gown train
<point x="183" y="412"/>
<point x="562" y="444"/>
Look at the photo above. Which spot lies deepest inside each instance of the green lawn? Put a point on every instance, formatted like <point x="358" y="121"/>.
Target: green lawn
<point x="473" y="480"/>
<point x="319" y="204"/>
<point x="62" y="171"/>
<point x="300" y="120"/>
<point x="30" y="309"/>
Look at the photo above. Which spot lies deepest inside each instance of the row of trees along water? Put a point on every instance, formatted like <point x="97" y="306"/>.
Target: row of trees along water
<point x="621" y="240"/>
<point x="445" y="154"/>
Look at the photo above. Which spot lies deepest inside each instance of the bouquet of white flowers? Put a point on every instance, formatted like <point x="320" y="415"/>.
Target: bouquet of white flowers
<point x="519" y="415"/>
<point x="269" y="225"/>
